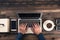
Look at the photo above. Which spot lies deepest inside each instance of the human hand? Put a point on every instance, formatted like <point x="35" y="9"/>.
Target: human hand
<point x="22" y="28"/>
<point x="37" y="29"/>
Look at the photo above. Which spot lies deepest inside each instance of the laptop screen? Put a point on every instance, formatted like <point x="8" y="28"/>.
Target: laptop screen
<point x="29" y="15"/>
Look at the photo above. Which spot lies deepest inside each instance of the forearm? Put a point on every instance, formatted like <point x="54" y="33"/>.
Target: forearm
<point x="19" y="36"/>
<point x="41" y="36"/>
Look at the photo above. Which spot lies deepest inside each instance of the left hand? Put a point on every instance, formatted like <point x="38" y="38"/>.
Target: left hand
<point x="22" y="28"/>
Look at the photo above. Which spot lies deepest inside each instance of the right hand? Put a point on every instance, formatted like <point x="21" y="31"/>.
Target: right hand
<point x="37" y="29"/>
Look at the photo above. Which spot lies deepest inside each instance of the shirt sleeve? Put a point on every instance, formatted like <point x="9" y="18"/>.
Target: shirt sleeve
<point x="41" y="36"/>
<point x="19" y="36"/>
